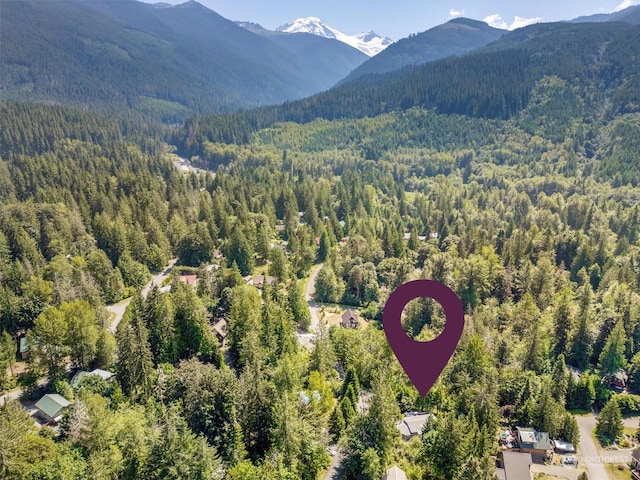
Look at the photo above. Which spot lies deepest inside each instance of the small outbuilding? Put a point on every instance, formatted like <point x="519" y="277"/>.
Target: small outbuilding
<point x="350" y="319"/>
<point x="221" y="331"/>
<point x="23" y="348"/>
<point x="191" y="280"/>
<point x="395" y="473"/>
<point x="52" y="406"/>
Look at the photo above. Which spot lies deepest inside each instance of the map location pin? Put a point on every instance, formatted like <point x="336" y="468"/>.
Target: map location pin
<point x="423" y="361"/>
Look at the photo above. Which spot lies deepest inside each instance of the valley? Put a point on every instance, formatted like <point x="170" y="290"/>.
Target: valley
<point x="201" y="223"/>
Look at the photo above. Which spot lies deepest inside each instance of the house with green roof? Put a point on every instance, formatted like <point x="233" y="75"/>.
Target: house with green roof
<point x="534" y="442"/>
<point x="51" y="407"/>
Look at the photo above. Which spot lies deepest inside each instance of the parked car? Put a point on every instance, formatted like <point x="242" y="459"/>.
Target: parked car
<point x="569" y="461"/>
<point x="560" y="446"/>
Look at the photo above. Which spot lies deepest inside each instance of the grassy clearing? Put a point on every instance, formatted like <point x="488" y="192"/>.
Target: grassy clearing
<point x="616" y="474"/>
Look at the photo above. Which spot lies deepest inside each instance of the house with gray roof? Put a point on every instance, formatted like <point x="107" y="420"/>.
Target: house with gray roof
<point x="395" y="473"/>
<point x="412" y="424"/>
<point x="514" y="466"/>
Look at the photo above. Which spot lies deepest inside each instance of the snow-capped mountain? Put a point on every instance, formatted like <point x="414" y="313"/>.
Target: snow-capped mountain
<point x="369" y="43"/>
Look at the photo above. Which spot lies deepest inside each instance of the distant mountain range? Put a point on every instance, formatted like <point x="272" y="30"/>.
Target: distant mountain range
<point x="455" y="37"/>
<point x="370" y="43"/>
<point x="169" y="62"/>
<point x="573" y="70"/>
<point x="161" y="60"/>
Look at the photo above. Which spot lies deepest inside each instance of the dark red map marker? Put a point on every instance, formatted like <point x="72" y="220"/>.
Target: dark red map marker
<point x="423" y="361"/>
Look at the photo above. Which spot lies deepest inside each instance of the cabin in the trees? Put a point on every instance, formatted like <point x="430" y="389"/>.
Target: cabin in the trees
<point x="514" y="466"/>
<point x="618" y="381"/>
<point x="104" y="374"/>
<point x="536" y="443"/>
<point x="635" y="464"/>
<point x="191" y="280"/>
<point x="52" y="406"/>
<point x="412" y="424"/>
<point x="395" y="473"/>
<point x="23" y="348"/>
<point x="421" y="238"/>
<point x="221" y="331"/>
<point x="349" y="319"/>
<point x="259" y="281"/>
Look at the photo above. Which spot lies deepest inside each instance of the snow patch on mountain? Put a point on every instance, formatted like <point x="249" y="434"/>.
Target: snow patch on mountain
<point x="369" y="43"/>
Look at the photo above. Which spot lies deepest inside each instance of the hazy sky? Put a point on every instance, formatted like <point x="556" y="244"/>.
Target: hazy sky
<point x="399" y="18"/>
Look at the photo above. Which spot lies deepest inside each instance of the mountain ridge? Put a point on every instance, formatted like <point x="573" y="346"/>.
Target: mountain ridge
<point x="495" y="82"/>
<point x="457" y="36"/>
<point x="370" y="43"/>
<point x="161" y="60"/>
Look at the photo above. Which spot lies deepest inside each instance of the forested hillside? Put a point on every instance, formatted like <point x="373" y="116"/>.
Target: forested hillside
<point x="494" y="83"/>
<point x="455" y="37"/>
<point x="163" y="61"/>
<point x="510" y="175"/>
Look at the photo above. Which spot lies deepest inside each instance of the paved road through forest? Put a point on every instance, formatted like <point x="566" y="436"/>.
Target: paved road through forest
<point x="119" y="308"/>
<point x="590" y="458"/>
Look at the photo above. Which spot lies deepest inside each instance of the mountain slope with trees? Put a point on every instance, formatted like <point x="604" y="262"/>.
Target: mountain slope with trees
<point x="501" y="81"/>
<point x="330" y="59"/>
<point x="455" y="37"/>
<point x="162" y="61"/>
<point x="527" y="206"/>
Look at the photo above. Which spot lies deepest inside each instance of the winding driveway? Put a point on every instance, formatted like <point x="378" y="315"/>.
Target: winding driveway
<point x="119" y="308"/>
<point x="306" y="338"/>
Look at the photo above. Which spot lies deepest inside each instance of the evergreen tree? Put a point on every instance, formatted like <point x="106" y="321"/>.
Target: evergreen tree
<point x="581" y="342"/>
<point x="297" y="305"/>
<point x="7" y="358"/>
<point x="560" y="382"/>
<point x="135" y="360"/>
<point x="158" y="318"/>
<point x="609" y="426"/>
<point x="612" y="357"/>
<point x="47" y="343"/>
<point x="445" y="445"/>
<point x="329" y="288"/>
<point x="82" y="332"/>
<point x="193" y="333"/>
<point x="177" y="453"/>
<point x="324" y="246"/>
<point x="337" y="423"/>
<point x="562" y="321"/>
<point x="381" y="419"/>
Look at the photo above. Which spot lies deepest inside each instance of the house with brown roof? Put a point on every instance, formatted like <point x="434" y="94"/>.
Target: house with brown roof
<point x="191" y="280"/>
<point x="618" y="380"/>
<point x="350" y="319"/>
<point x="221" y="331"/>
<point x="259" y="281"/>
